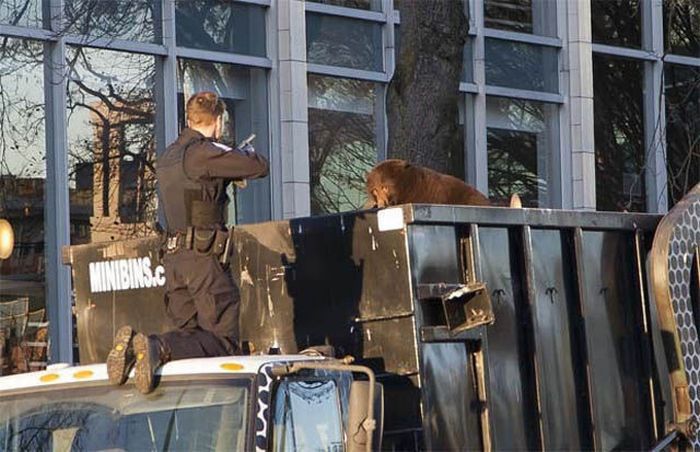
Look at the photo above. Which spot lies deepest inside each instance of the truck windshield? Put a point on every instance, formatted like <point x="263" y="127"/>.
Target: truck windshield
<point x="205" y="415"/>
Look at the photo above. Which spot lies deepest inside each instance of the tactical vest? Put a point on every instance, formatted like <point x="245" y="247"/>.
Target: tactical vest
<point x="182" y="197"/>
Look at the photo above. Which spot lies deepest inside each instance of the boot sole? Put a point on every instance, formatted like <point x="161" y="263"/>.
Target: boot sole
<point x="143" y="373"/>
<point x="120" y="359"/>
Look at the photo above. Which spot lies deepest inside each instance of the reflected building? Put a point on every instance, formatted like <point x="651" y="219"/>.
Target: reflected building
<point x="576" y="104"/>
<point x="120" y="181"/>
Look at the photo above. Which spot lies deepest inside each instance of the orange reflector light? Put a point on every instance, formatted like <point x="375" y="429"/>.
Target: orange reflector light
<point x="48" y="378"/>
<point x="83" y="374"/>
<point x="231" y="366"/>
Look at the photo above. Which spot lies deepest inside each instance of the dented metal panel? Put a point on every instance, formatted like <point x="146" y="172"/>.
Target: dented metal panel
<point x="614" y="333"/>
<point x="330" y="280"/>
<point x="512" y="401"/>
<point x="115" y="283"/>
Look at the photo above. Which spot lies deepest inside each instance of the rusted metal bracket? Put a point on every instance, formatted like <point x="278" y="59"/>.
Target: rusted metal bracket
<point x="465" y="306"/>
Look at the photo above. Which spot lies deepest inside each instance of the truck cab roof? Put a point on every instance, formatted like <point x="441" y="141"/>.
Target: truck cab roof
<point x="58" y="375"/>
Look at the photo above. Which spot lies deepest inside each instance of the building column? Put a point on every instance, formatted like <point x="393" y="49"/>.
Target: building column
<point x="476" y="161"/>
<point x="654" y="109"/>
<point x="579" y="66"/>
<point x="166" y="81"/>
<point x="291" y="98"/>
<point x="57" y="207"/>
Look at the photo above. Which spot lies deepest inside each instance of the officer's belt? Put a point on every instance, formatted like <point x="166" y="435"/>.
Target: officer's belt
<point x="203" y="241"/>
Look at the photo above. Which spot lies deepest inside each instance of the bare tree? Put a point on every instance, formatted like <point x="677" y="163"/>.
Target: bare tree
<point x="423" y="96"/>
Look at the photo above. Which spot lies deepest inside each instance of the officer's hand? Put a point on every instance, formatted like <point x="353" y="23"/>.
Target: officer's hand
<point x="241" y="183"/>
<point x="247" y="149"/>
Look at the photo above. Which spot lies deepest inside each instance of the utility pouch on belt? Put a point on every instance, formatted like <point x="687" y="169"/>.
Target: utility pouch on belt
<point x="204" y="242"/>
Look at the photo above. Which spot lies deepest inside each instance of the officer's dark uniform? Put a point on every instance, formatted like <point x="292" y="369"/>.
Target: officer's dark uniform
<point x="201" y="298"/>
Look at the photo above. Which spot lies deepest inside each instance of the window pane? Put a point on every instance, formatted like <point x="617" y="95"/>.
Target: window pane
<point x="682" y="129"/>
<point x="521" y="138"/>
<point x="374" y="5"/>
<point x="111" y="145"/>
<point x="134" y="20"/>
<point x="342" y="141"/>
<point x="682" y="27"/>
<point x="339" y="41"/>
<point x="221" y="25"/>
<point x="307" y="416"/>
<point x="521" y="66"/>
<point x="467" y="65"/>
<point x="523" y="16"/>
<point x="22" y="13"/>
<point x="617" y="22"/>
<point x="619" y="133"/>
<point x="188" y="416"/>
<point x="22" y="186"/>
<point x="244" y="91"/>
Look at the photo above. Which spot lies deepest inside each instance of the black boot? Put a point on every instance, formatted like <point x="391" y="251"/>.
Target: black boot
<point x="121" y="358"/>
<point x="150" y="355"/>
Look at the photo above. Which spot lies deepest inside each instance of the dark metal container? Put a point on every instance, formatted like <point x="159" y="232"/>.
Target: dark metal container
<point x="490" y="328"/>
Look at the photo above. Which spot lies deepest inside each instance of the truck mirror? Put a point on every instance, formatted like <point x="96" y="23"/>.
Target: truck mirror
<point x="364" y="432"/>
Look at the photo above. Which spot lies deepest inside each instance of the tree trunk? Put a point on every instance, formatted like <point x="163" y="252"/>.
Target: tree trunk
<point x="423" y="96"/>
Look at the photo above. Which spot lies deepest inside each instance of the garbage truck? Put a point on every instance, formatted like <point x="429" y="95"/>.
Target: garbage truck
<point x="479" y="328"/>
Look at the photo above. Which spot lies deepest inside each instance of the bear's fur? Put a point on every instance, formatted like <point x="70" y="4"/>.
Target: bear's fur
<point x="394" y="182"/>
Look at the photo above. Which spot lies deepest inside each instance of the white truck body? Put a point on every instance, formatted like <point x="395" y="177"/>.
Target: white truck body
<point x="217" y="404"/>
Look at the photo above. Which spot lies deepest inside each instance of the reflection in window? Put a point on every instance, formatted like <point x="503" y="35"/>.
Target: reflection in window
<point x="244" y="90"/>
<point x="520" y="142"/>
<point x="22" y="168"/>
<point x="617" y="22"/>
<point x="682" y="129"/>
<point x="21" y="13"/>
<point x="374" y="5"/>
<point x="340" y="41"/>
<point x="521" y="66"/>
<point x="523" y="16"/>
<point x="221" y="25"/>
<point x="111" y="145"/>
<point x="210" y="415"/>
<point x="467" y="58"/>
<point x="619" y="134"/>
<point x="342" y="141"/>
<point x="513" y="15"/>
<point x="116" y="19"/>
<point x="307" y="416"/>
<point x="682" y="27"/>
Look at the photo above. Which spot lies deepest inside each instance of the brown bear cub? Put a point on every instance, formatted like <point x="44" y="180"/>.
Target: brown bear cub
<point x="394" y="182"/>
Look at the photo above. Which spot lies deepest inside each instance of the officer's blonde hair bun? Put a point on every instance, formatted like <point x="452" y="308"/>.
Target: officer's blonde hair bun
<point x="204" y="107"/>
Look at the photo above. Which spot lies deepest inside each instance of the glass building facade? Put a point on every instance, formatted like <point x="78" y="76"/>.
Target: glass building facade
<point x="572" y="104"/>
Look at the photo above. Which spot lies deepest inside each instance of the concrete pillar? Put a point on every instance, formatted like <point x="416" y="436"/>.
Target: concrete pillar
<point x="292" y="99"/>
<point x="579" y="65"/>
<point x="654" y="109"/>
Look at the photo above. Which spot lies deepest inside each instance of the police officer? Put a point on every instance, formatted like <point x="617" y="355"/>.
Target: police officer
<point x="201" y="298"/>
